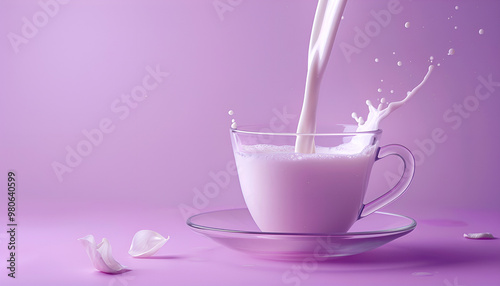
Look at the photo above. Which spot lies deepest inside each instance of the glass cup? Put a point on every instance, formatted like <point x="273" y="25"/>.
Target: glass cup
<point x="322" y="192"/>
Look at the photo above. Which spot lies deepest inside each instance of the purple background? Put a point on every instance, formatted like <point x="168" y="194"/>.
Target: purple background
<point x="70" y="73"/>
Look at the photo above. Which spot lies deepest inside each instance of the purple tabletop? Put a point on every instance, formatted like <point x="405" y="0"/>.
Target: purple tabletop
<point x="435" y="253"/>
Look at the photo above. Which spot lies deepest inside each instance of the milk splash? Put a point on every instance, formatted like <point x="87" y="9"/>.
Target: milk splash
<point x="376" y="115"/>
<point x="325" y="27"/>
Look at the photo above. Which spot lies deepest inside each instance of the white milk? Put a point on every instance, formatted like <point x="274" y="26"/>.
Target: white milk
<point x="290" y="192"/>
<point x="376" y="115"/>
<point x="325" y="26"/>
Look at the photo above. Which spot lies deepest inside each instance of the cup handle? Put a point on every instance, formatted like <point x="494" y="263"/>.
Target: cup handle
<point x="403" y="183"/>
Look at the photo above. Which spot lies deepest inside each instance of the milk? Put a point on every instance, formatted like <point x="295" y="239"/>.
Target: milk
<point x="287" y="191"/>
<point x="325" y="26"/>
<point x="376" y="115"/>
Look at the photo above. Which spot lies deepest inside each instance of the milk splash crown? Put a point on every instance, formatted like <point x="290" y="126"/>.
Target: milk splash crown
<point x="376" y="115"/>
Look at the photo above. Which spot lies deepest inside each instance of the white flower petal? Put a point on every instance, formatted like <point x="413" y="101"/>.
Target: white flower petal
<point x="146" y="243"/>
<point x="482" y="235"/>
<point x="100" y="255"/>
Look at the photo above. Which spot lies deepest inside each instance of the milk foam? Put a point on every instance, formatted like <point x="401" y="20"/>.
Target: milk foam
<point x="287" y="152"/>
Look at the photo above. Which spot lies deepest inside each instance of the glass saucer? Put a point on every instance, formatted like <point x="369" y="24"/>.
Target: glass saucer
<point x="235" y="229"/>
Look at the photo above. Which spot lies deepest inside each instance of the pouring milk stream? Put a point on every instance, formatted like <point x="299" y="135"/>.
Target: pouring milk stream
<point x="325" y="26"/>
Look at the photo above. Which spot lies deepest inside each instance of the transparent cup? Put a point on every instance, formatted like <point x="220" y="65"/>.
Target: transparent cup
<point x="321" y="192"/>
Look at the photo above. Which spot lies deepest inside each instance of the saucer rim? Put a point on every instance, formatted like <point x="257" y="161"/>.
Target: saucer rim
<point x="406" y="228"/>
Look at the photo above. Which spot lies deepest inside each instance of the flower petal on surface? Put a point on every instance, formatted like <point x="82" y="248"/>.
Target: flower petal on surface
<point x="100" y="255"/>
<point x="482" y="235"/>
<point x="146" y="243"/>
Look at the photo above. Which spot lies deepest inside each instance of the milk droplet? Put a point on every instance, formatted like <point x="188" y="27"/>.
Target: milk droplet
<point x="392" y="91"/>
<point x="234" y="125"/>
<point x="439" y="64"/>
<point x="232" y="120"/>
<point x="456" y="7"/>
<point x="393" y="53"/>
<point x="481" y="31"/>
<point x="379" y="90"/>
<point x="456" y="27"/>
<point x="382" y="100"/>
<point x="230" y="112"/>
<point x="342" y="18"/>
<point x="358" y="119"/>
<point x="381" y="80"/>
<point x="376" y="60"/>
<point x="431" y="58"/>
<point x="407" y="25"/>
<point x="451" y="52"/>
<point x="400" y="63"/>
